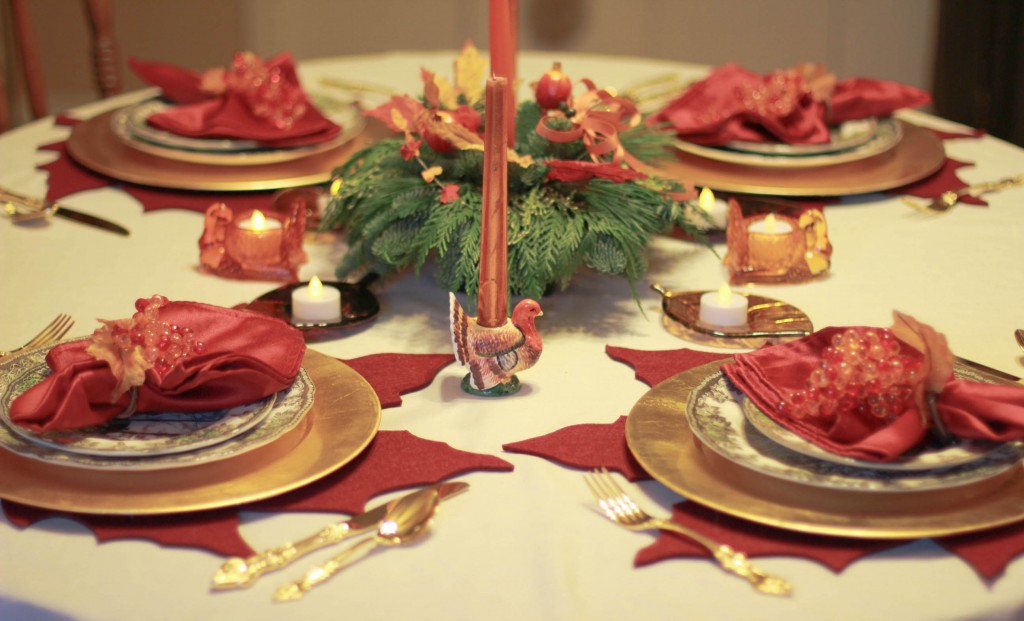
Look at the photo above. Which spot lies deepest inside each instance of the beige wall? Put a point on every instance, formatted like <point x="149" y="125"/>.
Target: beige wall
<point x="881" y="38"/>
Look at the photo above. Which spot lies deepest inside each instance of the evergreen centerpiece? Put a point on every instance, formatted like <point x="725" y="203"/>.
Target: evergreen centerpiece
<point x="577" y="195"/>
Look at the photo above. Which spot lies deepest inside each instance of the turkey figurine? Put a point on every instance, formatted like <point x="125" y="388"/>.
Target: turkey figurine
<point x="495" y="355"/>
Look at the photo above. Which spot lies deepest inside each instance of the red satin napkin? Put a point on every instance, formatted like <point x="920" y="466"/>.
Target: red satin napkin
<point x="970" y="410"/>
<point x="247" y="357"/>
<point x="266" y="104"/>
<point x="795" y="106"/>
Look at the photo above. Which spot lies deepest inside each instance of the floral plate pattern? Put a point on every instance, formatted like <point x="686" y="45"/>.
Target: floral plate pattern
<point x="714" y="412"/>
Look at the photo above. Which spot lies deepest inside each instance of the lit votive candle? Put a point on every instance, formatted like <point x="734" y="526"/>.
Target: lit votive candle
<point x="316" y="303"/>
<point x="715" y="209"/>
<point x="770" y="243"/>
<point x="256" y="240"/>
<point x="723" y="308"/>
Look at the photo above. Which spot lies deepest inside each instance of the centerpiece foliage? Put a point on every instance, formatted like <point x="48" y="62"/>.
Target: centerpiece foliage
<point x="577" y="195"/>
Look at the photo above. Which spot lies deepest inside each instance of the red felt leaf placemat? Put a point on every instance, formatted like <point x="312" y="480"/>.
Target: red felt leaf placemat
<point x="394" y="460"/>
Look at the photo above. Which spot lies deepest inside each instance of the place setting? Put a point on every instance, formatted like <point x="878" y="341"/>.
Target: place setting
<point x="194" y="408"/>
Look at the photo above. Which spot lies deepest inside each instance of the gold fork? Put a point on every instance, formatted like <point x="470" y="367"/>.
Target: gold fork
<point x="620" y="508"/>
<point x="52" y="333"/>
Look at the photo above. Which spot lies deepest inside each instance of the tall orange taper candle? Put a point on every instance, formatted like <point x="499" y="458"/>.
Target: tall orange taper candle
<point x="504" y="27"/>
<point x="492" y="298"/>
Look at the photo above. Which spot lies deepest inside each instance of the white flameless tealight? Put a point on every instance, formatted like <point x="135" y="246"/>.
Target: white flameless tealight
<point x="723" y="308"/>
<point x="316" y="303"/>
<point x="716" y="209"/>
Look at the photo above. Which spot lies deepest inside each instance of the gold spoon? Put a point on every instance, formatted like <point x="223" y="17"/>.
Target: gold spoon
<point x="1019" y="335"/>
<point x="406" y="521"/>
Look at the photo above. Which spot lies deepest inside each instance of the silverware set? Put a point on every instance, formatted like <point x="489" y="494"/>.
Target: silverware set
<point x="396" y="523"/>
<point x="22" y="209"/>
<point x="945" y="201"/>
<point x="618" y="507"/>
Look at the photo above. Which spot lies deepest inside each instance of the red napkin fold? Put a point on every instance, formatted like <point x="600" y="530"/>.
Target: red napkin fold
<point x="252" y="101"/>
<point x="795" y="106"/>
<point x="971" y="410"/>
<point x="246" y="357"/>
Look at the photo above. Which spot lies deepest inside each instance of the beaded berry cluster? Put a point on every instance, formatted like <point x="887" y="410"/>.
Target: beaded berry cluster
<point x="133" y="346"/>
<point x="863" y="373"/>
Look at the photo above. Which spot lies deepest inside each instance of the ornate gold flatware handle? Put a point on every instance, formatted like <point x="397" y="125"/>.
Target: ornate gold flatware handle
<point x="239" y="572"/>
<point x="317" y="575"/>
<point x="734" y="562"/>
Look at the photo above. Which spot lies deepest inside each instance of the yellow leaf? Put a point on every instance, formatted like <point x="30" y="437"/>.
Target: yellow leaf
<point x="470" y="72"/>
<point x="399" y="121"/>
<point x="431" y="173"/>
<point x="446" y="93"/>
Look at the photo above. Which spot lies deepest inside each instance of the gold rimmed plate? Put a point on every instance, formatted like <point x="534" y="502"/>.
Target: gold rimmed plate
<point x="340" y="424"/>
<point x="768" y="321"/>
<point x="917" y="155"/>
<point x="94" y="145"/>
<point x="659" y="436"/>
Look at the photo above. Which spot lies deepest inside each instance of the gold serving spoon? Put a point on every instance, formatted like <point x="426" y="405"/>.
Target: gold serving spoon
<point x="406" y="521"/>
<point x="946" y="200"/>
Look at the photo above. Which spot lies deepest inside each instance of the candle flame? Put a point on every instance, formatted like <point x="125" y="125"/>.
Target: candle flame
<point x="724" y="293"/>
<point x="258" y="220"/>
<point x="316" y="288"/>
<point x="769" y="223"/>
<point x="706" y="200"/>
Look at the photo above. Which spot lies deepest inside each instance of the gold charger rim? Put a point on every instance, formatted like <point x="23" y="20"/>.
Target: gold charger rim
<point x="94" y="144"/>
<point x="341" y="423"/>
<point x="659" y="437"/>
<point x="919" y="154"/>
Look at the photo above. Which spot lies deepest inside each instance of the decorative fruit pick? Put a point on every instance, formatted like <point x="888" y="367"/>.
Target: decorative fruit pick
<point x="553" y="88"/>
<point x="434" y="141"/>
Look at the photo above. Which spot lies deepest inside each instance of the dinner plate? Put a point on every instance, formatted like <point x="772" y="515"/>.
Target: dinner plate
<point x="147" y="434"/>
<point x="130" y="126"/>
<point x="658" y="435"/>
<point x="963" y="452"/>
<point x="887" y="136"/>
<point x="846" y="135"/>
<point x="917" y="155"/>
<point x="17" y="375"/>
<point x="714" y="412"/>
<point x="340" y="424"/>
<point x="94" y="145"/>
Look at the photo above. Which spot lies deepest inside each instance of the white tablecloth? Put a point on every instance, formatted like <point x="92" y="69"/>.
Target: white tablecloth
<point x="524" y="544"/>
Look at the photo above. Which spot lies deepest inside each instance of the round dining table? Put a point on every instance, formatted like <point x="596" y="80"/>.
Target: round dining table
<point x="526" y="540"/>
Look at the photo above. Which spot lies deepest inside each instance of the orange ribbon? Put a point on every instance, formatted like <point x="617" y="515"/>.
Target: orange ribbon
<point x="603" y="116"/>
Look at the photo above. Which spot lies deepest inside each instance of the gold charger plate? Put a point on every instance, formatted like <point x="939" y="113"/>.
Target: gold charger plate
<point x="341" y="423"/>
<point x="919" y="154"/>
<point x="94" y="145"/>
<point x="658" y="436"/>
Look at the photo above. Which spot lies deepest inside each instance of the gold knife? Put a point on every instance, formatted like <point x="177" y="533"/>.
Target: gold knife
<point x="239" y="572"/>
<point x="51" y="208"/>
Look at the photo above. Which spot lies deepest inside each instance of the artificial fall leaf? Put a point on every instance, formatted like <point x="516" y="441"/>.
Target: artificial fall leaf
<point x="449" y="193"/>
<point x="431" y="173"/>
<point x="470" y="72"/>
<point x="398" y="121"/>
<point x="128" y="366"/>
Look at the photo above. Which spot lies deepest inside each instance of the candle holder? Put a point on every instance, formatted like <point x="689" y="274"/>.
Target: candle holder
<point x="254" y="245"/>
<point x="776" y="243"/>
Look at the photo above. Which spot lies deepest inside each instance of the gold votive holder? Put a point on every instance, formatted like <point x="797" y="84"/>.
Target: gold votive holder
<point x="775" y="242"/>
<point x="251" y="244"/>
